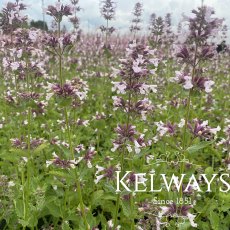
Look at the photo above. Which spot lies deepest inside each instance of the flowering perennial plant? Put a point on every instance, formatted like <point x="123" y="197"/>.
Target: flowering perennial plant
<point x="110" y="133"/>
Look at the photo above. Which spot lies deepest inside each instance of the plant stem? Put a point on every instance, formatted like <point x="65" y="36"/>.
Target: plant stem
<point x="60" y="55"/>
<point x="128" y="121"/>
<point x="122" y="167"/>
<point x="69" y="133"/>
<point x="116" y="212"/>
<point x="106" y="34"/>
<point x="186" y="120"/>
<point x="23" y="195"/>
<point x="60" y="68"/>
<point x="132" y="209"/>
<point x="87" y="227"/>
<point x="187" y="115"/>
<point x="29" y="124"/>
<point x="118" y="195"/>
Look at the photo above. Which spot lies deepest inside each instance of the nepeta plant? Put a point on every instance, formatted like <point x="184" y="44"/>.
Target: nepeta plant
<point x="161" y="37"/>
<point x="159" y="113"/>
<point x="72" y="93"/>
<point x="59" y="10"/>
<point x="74" y="19"/>
<point x="136" y="21"/>
<point x="11" y="17"/>
<point x="23" y="67"/>
<point x="133" y="89"/>
<point x="107" y="9"/>
<point x="156" y="30"/>
<point x="194" y="53"/>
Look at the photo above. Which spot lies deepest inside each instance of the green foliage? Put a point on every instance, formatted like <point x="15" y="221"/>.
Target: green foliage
<point x="39" y="25"/>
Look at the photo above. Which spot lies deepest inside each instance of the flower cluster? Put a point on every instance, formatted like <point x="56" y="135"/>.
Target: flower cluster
<point x="28" y="95"/>
<point x="135" y="73"/>
<point x="161" y="34"/>
<point x="177" y="211"/>
<point x="137" y="13"/>
<point x="128" y="136"/>
<point x="109" y="30"/>
<point x="202" y="130"/>
<point x="167" y="128"/>
<point x="66" y="40"/>
<point x="25" y="57"/>
<point x="62" y="163"/>
<point x="203" y="53"/>
<point x="21" y="144"/>
<point x="11" y="17"/>
<point x="75" y="88"/>
<point x="74" y="19"/>
<point x="197" y="83"/>
<point x="142" y="107"/>
<point x="108" y="172"/>
<point x="59" y="10"/>
<point x="196" y="49"/>
<point x="202" y="25"/>
<point x="225" y="142"/>
<point x="108" y="9"/>
<point x="89" y="155"/>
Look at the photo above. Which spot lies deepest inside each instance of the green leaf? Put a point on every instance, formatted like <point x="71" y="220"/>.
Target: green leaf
<point x="225" y="207"/>
<point x="23" y="222"/>
<point x="41" y="147"/>
<point x="225" y="197"/>
<point x="107" y="53"/>
<point x="199" y="146"/>
<point x="19" y="208"/>
<point x="8" y="157"/>
<point x="109" y="197"/>
<point x="19" y="152"/>
<point x="126" y="208"/>
<point x="64" y="102"/>
<point x="109" y="188"/>
<point x="215" y="220"/>
<point x="209" y="171"/>
<point x="60" y="174"/>
<point x="96" y="197"/>
<point x="184" y="226"/>
<point x="54" y="209"/>
<point x="65" y="226"/>
<point x="32" y="221"/>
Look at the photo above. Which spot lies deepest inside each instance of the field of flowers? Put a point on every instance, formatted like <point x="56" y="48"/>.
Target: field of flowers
<point x="110" y="131"/>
